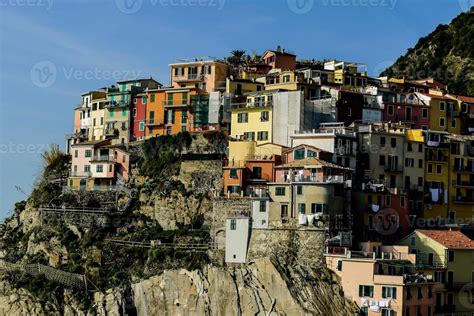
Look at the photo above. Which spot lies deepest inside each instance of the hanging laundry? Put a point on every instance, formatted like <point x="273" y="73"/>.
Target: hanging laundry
<point x="302" y="220"/>
<point x="375" y="208"/>
<point x="384" y="303"/>
<point x="310" y="219"/>
<point x="434" y="195"/>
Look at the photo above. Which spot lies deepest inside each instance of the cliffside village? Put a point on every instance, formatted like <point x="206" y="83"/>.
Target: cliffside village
<point x="384" y="167"/>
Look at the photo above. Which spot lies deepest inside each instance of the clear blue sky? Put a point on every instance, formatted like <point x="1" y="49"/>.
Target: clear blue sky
<point x="82" y="41"/>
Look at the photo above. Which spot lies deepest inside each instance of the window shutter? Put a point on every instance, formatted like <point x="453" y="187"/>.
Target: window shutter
<point x="361" y="291"/>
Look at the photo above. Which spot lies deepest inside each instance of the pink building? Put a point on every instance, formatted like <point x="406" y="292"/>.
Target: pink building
<point x="384" y="280"/>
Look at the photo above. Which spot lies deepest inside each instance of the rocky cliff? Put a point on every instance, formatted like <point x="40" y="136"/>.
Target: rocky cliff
<point x="54" y="264"/>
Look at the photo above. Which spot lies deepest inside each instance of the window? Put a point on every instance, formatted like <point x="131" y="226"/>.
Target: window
<point x="382" y="141"/>
<point x="366" y="291"/>
<point x="87" y="168"/>
<point x="420" y="293"/>
<point x="430" y="168"/>
<point x="318" y="208"/>
<point x="284" y="211"/>
<point x="438" y="169"/>
<point x="390" y="110"/>
<point x="264" y="116"/>
<point x="413" y="241"/>
<point x="99" y="168"/>
<point x="286" y="78"/>
<point x="257" y="172"/>
<point x="420" y="163"/>
<point x="249" y="135"/>
<point x="453" y="123"/>
<point x="111" y="168"/>
<point x="393" y="142"/>
<point x="339" y="265"/>
<point x="134" y="112"/>
<point x="233" y="224"/>
<point x="242" y="117"/>
<point x="152" y="98"/>
<point x="141" y="126"/>
<point x="280" y="191"/>
<point x="263" y="206"/>
<point x="387" y="312"/>
<point x="409" y="147"/>
<point x="233" y="174"/>
<point x="420" y="148"/>
<point x="451" y="255"/>
<point x="402" y="201"/>
<point x="311" y="153"/>
<point x="441" y="122"/>
<point x="442" y="106"/>
<point x="88" y="153"/>
<point x="388" y="200"/>
<point x="382" y="160"/>
<point x="302" y="208"/>
<point x="298" y="154"/>
<point x="144" y="99"/>
<point x="184" y="117"/>
<point x="76" y="153"/>
<point x="389" y="292"/>
<point x="420" y="181"/>
<point x="424" y="113"/>
<point x="299" y="189"/>
<point x="262" y="135"/>
<point x="409" y="162"/>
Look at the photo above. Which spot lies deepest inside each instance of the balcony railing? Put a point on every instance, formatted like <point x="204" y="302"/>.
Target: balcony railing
<point x="251" y="105"/>
<point x="189" y="77"/>
<point x="116" y="104"/>
<point x="393" y="168"/>
<point x="84" y="174"/>
<point x="103" y="159"/>
<point x="153" y="122"/>
<point x="325" y="179"/>
<point x="437" y="158"/>
<point x="169" y="104"/>
<point x="111" y="132"/>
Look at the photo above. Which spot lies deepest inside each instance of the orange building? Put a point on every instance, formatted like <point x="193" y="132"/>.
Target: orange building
<point x="169" y="111"/>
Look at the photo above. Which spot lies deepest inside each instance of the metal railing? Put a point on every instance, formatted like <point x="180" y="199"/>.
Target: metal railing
<point x="251" y="105"/>
<point x="103" y="158"/>
<point x="85" y="174"/>
<point x="324" y="179"/>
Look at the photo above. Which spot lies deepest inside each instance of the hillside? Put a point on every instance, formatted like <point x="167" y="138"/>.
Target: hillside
<point x="131" y="256"/>
<point x="447" y="55"/>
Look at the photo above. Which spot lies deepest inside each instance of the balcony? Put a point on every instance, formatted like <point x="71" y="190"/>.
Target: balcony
<point x="435" y="158"/>
<point x="103" y="159"/>
<point x="188" y="78"/>
<point x="153" y="122"/>
<point x="392" y="168"/>
<point x="171" y="104"/>
<point x="116" y="104"/>
<point x="80" y="174"/>
<point x="251" y="105"/>
<point x="111" y="132"/>
<point x="325" y="179"/>
<point x="78" y="135"/>
<point x="469" y="184"/>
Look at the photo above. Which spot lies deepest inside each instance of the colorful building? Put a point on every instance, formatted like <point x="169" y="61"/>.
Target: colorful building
<point x="384" y="280"/>
<point x="412" y="109"/>
<point x="139" y="111"/>
<point x="448" y="254"/>
<point x="279" y="59"/>
<point x="445" y="113"/>
<point x="208" y="74"/>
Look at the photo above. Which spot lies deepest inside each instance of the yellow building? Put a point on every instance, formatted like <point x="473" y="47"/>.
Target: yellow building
<point x="461" y="191"/>
<point x="436" y="175"/>
<point x="253" y="120"/>
<point x="448" y="254"/>
<point x="292" y="81"/>
<point x="238" y="87"/>
<point x="347" y="74"/>
<point x="444" y="113"/>
<point x="241" y="151"/>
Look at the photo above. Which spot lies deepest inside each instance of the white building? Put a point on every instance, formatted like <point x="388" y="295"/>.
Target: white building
<point x="260" y="208"/>
<point x="237" y="238"/>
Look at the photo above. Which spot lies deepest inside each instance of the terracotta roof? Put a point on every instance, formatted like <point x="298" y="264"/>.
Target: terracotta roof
<point x="310" y="163"/>
<point x="463" y="98"/>
<point x="451" y="239"/>
<point x="307" y="146"/>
